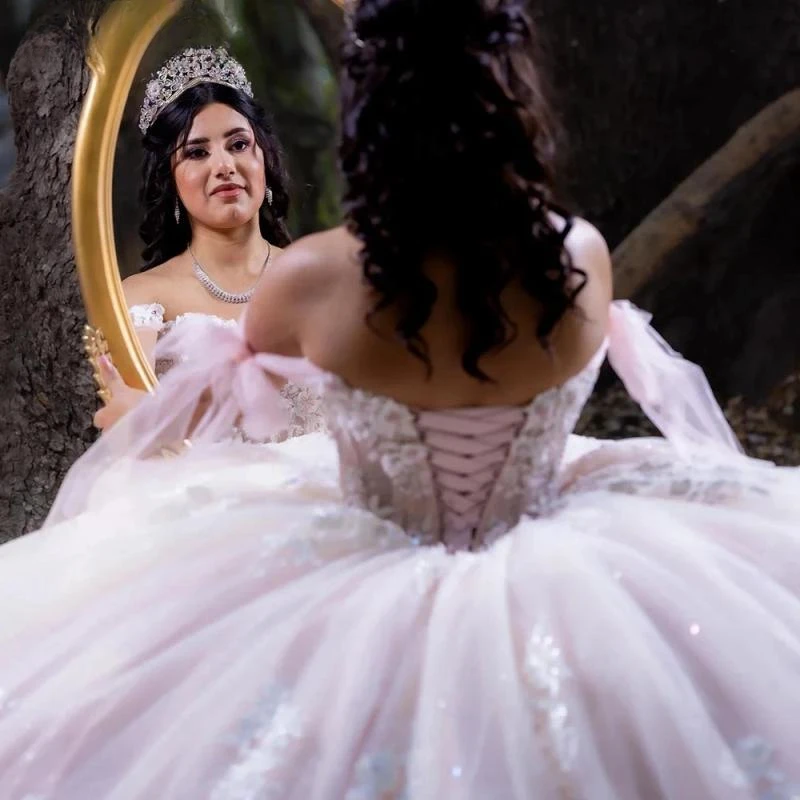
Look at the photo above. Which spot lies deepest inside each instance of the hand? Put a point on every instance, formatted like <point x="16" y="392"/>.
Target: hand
<point x="123" y="397"/>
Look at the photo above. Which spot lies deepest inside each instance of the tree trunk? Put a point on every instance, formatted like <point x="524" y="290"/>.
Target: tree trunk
<point x="48" y="396"/>
<point x="650" y="89"/>
<point x="750" y="164"/>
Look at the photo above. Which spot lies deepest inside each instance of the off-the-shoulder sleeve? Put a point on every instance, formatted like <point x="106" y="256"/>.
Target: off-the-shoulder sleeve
<point x="219" y="385"/>
<point x="673" y="392"/>
<point x="147" y="315"/>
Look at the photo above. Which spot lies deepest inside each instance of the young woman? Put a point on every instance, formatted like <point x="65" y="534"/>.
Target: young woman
<point x="462" y="618"/>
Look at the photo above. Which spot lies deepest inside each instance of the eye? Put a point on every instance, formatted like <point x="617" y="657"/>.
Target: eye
<point x="240" y="145"/>
<point x="195" y="153"/>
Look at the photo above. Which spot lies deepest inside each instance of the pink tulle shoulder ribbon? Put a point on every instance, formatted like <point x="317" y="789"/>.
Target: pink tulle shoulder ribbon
<point x="673" y="392"/>
<point x="218" y="385"/>
<point x="236" y="384"/>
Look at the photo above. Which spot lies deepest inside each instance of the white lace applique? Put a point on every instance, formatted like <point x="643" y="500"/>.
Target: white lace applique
<point x="305" y="411"/>
<point x="546" y="673"/>
<point x="659" y="472"/>
<point x="752" y="765"/>
<point x="379" y="776"/>
<point x="211" y="319"/>
<point x="384" y="464"/>
<point x="150" y="315"/>
<point x="262" y="744"/>
<point x="336" y="533"/>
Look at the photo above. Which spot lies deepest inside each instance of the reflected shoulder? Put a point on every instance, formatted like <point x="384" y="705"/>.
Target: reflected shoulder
<point x="145" y="287"/>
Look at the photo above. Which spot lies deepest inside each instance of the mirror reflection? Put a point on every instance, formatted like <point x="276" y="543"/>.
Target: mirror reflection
<point x="226" y="153"/>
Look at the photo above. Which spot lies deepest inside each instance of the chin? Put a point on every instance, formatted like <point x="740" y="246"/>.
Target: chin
<point x="234" y="218"/>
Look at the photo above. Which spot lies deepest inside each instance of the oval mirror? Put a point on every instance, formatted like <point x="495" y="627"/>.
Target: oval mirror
<point x="288" y="49"/>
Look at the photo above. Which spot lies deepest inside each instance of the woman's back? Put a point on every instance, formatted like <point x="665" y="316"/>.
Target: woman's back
<point x="316" y="303"/>
<point x="447" y="455"/>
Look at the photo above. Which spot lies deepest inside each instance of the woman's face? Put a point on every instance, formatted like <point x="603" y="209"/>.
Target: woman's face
<point x="219" y="171"/>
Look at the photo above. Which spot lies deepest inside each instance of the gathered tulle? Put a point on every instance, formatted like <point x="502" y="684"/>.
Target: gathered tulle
<point x="673" y="392"/>
<point x="218" y="390"/>
<point x="269" y="642"/>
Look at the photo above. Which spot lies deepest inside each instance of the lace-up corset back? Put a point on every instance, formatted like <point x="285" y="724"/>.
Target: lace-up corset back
<point x="459" y="476"/>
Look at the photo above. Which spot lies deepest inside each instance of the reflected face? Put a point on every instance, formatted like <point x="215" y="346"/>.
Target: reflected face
<point x="219" y="171"/>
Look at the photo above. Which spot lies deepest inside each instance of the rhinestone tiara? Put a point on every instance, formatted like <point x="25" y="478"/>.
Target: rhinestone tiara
<point x="189" y="68"/>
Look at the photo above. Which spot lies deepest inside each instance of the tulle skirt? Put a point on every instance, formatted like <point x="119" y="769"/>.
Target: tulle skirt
<point x="222" y="626"/>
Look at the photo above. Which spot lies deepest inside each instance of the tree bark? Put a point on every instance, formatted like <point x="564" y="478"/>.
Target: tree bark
<point x="762" y="149"/>
<point x="48" y="396"/>
<point x="649" y="89"/>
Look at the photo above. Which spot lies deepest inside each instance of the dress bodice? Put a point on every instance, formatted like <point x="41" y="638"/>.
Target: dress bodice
<point x="458" y="476"/>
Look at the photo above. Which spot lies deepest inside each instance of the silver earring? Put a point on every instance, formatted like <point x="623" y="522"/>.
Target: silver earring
<point x="268" y="195"/>
<point x="177" y="212"/>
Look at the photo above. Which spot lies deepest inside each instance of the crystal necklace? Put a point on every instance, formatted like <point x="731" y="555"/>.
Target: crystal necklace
<point x="217" y="291"/>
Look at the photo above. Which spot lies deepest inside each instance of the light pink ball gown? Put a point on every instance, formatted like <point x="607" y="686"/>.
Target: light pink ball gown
<point x="457" y="615"/>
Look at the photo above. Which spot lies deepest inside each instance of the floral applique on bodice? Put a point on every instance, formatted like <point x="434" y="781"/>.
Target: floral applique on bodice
<point x="151" y="316"/>
<point x="305" y="413"/>
<point x="459" y="476"/>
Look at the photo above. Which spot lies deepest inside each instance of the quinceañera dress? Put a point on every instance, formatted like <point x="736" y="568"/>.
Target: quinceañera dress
<point x="458" y="615"/>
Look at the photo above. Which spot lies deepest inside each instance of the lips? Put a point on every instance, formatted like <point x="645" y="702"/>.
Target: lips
<point x="227" y="189"/>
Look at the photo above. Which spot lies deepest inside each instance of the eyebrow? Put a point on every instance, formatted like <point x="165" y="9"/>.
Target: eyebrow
<point x="204" y="140"/>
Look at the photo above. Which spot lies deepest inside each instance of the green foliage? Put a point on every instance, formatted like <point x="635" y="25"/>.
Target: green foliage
<point x="292" y="76"/>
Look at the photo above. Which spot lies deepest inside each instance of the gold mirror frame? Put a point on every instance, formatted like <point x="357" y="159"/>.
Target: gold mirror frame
<point x="123" y="35"/>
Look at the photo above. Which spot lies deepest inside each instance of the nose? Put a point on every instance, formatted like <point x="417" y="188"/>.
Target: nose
<point x="224" y="165"/>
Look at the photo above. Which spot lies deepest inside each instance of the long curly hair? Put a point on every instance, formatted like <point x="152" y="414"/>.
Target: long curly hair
<point x="165" y="238"/>
<point x="447" y="147"/>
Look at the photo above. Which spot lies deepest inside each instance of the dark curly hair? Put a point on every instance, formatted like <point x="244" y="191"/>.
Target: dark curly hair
<point x="165" y="238"/>
<point x="447" y="147"/>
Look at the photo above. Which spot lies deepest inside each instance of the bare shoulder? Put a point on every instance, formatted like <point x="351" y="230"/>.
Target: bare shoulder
<point x="589" y="252"/>
<point x="151" y="286"/>
<point x="297" y="288"/>
<point x="309" y="266"/>
<point x="582" y="334"/>
<point x="319" y="251"/>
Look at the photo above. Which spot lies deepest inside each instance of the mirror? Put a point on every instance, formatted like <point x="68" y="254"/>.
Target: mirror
<point x="289" y="62"/>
